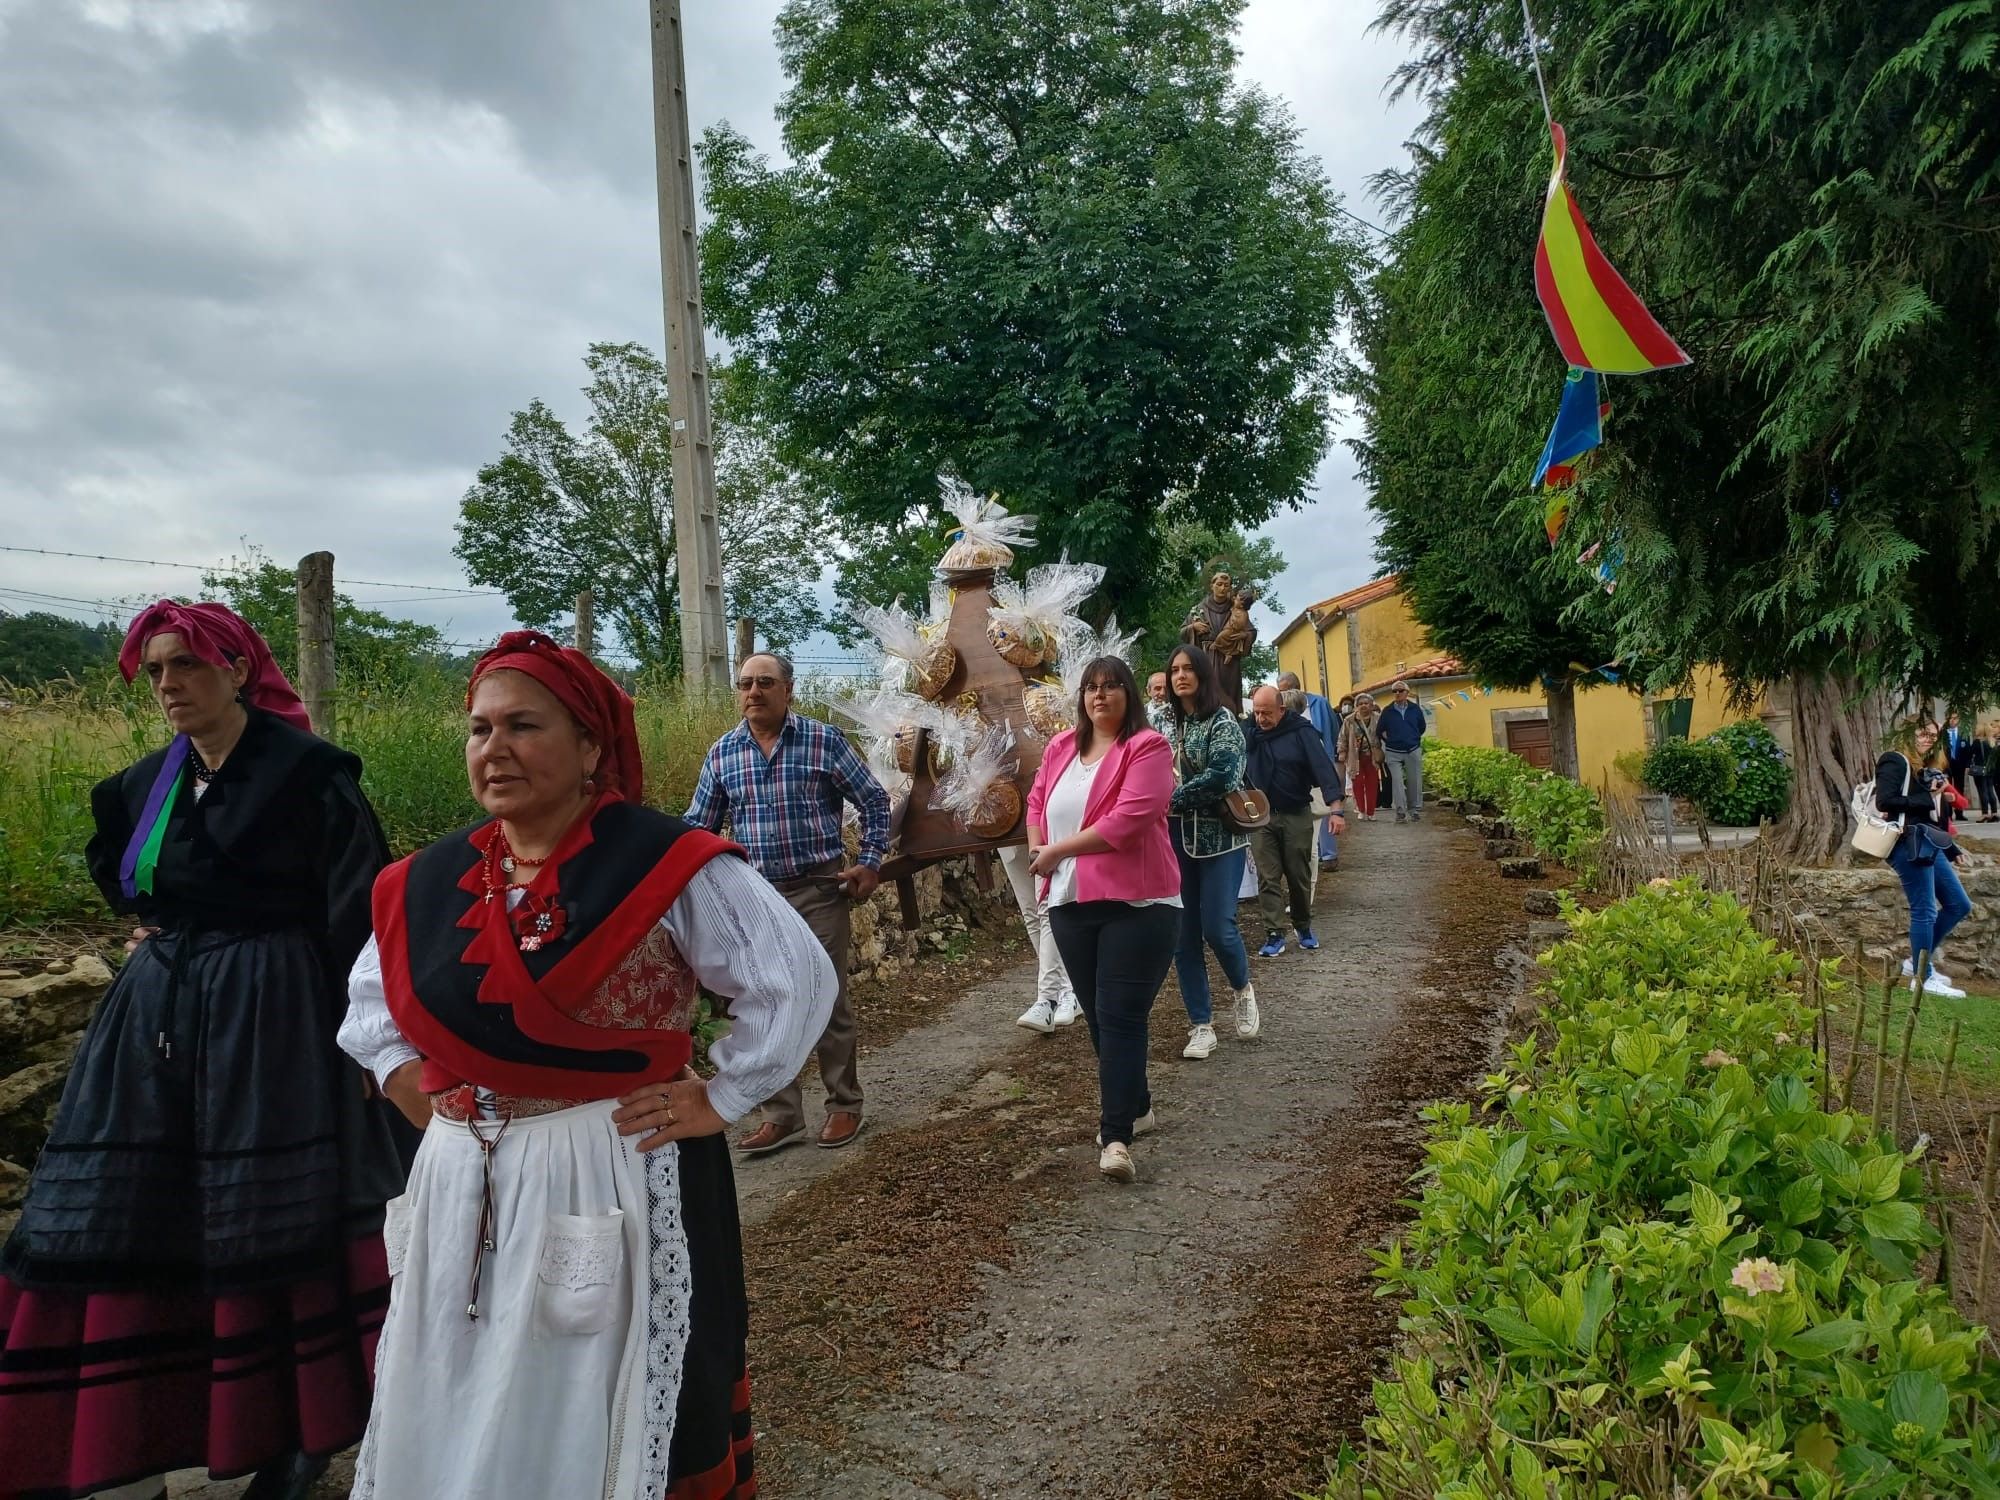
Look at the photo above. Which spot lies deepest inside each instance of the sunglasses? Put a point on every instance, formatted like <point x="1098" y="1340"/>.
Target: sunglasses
<point x="744" y="684"/>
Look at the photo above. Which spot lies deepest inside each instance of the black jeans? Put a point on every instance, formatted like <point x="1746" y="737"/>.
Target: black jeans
<point x="1117" y="955"/>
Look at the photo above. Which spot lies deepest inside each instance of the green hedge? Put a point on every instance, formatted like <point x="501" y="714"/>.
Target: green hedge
<point x="1653" y="1266"/>
<point x="1762" y="787"/>
<point x="1699" y="770"/>
<point x="1561" y="818"/>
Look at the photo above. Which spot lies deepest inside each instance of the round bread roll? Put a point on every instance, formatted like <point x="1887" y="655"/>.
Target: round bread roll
<point x="972" y="555"/>
<point x="1020" y="642"/>
<point x="1047" y="708"/>
<point x="998" y="811"/>
<point x="931" y="671"/>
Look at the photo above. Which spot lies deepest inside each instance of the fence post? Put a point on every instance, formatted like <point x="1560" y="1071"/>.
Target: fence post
<point x="586" y="623"/>
<point x="1881" y="1055"/>
<point x="1860" y="1026"/>
<point x="1903" y="1059"/>
<point x="316" y="663"/>
<point x="1985" y="1216"/>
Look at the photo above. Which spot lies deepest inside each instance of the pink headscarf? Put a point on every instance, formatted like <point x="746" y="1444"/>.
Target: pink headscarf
<point x="219" y="636"/>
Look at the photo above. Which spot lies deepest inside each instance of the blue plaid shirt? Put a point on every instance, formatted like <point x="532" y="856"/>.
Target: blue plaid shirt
<point x="785" y="810"/>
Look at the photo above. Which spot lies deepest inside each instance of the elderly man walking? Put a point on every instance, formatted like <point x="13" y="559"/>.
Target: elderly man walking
<point x="1325" y="718"/>
<point x="1400" y="732"/>
<point x="778" y="780"/>
<point x="1286" y="762"/>
<point x="1156" y="701"/>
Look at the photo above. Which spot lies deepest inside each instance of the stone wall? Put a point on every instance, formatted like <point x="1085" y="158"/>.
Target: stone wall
<point x="1867" y="902"/>
<point x="45" y="1006"/>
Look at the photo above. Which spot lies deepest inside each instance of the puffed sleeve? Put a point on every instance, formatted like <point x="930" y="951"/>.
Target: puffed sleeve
<point x="743" y="941"/>
<point x="368" y="1033"/>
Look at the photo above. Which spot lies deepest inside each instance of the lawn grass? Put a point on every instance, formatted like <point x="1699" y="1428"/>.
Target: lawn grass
<point x="1977" y="1064"/>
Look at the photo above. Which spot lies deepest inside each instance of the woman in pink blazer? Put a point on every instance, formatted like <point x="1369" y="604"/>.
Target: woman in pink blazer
<point x="1097" y="825"/>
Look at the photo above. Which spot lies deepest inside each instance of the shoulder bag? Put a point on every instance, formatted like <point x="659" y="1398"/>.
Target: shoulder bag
<point x="1875" y="835"/>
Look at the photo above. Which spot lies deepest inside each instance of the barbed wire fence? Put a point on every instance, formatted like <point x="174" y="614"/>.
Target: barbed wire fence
<point x="1915" y="1089"/>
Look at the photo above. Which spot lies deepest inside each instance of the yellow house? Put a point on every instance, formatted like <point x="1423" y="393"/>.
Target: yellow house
<point x="1366" y="639"/>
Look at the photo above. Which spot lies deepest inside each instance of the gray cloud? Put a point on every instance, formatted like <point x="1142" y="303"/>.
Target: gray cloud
<point x="279" y="270"/>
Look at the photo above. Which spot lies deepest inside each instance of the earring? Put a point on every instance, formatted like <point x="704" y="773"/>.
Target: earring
<point x="589" y="785"/>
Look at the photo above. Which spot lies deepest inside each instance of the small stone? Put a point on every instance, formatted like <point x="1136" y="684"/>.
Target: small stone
<point x="1541" y="904"/>
<point x="56" y="966"/>
<point x="10" y="973"/>
<point x="13" y="1184"/>
<point x="1502" y="848"/>
<point x="1521" y="869"/>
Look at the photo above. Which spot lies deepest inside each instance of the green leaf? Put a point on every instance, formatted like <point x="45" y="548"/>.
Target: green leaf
<point x="1893" y="1221"/>
<point x="1515" y="1331"/>
<point x="1801" y="1200"/>
<point x="1919" y="1396"/>
<point x="1865" y="1420"/>
<point x="1880" y="1178"/>
<point x="1823" y="1339"/>
<point x="1596" y="1303"/>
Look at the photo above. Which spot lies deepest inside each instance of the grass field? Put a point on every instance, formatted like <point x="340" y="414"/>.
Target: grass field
<point x="55" y="745"/>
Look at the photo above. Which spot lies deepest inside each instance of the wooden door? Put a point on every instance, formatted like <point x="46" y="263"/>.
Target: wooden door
<point x="1529" y="739"/>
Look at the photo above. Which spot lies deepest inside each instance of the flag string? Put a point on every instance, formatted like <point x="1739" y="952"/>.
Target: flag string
<point x="1535" y="57"/>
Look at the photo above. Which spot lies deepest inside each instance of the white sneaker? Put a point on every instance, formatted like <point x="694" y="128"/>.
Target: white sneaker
<point x="1144" y="1125"/>
<point x="1115" y="1162"/>
<point x="1201" y="1042"/>
<point x="1068" y="1011"/>
<point x="1041" y="1016"/>
<point x="1938" y="985"/>
<point x="1248" y="1021"/>
<point x="1910" y="971"/>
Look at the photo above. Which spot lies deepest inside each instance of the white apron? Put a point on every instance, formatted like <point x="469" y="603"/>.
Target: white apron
<point x="565" y="1385"/>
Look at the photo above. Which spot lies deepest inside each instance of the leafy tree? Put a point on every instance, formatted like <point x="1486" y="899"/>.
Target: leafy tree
<point x="372" y="652"/>
<point x="557" y="514"/>
<point x="40" y="647"/>
<point x="1062" y="255"/>
<point x="1808" y="194"/>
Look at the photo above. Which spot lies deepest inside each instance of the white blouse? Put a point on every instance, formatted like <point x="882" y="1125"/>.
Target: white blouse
<point x="741" y="939"/>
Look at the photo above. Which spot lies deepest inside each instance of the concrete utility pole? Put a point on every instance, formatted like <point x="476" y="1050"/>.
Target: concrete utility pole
<point x="316" y="667"/>
<point x="703" y="643"/>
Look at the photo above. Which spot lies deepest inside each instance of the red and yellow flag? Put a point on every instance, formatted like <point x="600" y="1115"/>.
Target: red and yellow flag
<point x="1598" y="322"/>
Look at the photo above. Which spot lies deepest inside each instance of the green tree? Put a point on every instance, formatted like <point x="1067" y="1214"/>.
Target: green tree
<point x="557" y="513"/>
<point x="1447" y="402"/>
<point x="372" y="652"/>
<point x="1188" y="556"/>
<point x="1808" y="194"/>
<point x="40" y="647"/>
<point x="1061" y="254"/>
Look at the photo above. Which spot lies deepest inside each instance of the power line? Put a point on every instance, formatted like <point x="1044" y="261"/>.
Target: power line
<point x="154" y="562"/>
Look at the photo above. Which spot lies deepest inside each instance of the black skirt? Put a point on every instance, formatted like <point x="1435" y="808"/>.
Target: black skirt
<point x="711" y="1457"/>
<point x="211" y="1133"/>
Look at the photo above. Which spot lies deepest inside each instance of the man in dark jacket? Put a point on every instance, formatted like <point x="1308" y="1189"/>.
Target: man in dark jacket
<point x="1286" y="761"/>
<point x="1400" y="732"/>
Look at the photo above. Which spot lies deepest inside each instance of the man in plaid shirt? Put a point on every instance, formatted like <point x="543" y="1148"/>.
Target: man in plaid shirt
<point x="778" y="780"/>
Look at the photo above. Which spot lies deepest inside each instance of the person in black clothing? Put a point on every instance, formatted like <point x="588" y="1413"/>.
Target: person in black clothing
<point x="1287" y="759"/>
<point x="1957" y="751"/>
<point x="1923" y="858"/>
<point x="1985" y="767"/>
<point x="198" y="1275"/>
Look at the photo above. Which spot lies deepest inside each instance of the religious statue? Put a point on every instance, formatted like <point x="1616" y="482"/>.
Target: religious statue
<point x="1220" y="624"/>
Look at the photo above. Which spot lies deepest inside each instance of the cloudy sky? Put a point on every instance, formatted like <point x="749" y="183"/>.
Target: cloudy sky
<point x="274" y="273"/>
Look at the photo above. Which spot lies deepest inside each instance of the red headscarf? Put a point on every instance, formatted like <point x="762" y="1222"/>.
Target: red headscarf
<point x="219" y="636"/>
<point x="594" y="700"/>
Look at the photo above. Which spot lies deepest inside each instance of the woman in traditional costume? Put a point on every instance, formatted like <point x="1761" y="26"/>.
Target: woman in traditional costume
<point x="197" y="1277"/>
<point x="568" y="1316"/>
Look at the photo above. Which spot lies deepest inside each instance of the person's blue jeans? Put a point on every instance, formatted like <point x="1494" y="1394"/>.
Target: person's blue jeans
<point x="1938" y="902"/>
<point x="1209" y="888"/>
<point x="1329" y="847"/>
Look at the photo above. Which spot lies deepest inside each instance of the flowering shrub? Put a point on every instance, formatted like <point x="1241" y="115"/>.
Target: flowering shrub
<point x="1763" y="785"/>
<point x="1561" y="818"/>
<point x="1655" y="1266"/>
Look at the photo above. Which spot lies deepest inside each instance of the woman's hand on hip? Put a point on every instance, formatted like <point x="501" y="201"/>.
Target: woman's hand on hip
<point x="402" y="1090"/>
<point x="673" y="1111"/>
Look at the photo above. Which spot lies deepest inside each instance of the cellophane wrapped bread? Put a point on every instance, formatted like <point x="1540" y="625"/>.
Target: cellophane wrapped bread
<point x="1027" y="621"/>
<point x="888" y="719"/>
<point x="1051" y="706"/>
<point x="927" y="663"/>
<point x="979" y="791"/>
<point x="986" y="535"/>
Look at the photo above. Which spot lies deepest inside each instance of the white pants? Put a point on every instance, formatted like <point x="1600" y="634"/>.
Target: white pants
<point x="553" y="1390"/>
<point x="1051" y="978"/>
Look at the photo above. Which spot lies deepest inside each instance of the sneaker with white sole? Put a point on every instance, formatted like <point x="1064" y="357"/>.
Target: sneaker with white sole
<point x="1938" y="985"/>
<point x="1068" y="1011"/>
<point x="1248" y="1021"/>
<point x="1041" y="1016"/>
<point x="1144" y="1125"/>
<point x="1201" y="1042"/>
<point x="1910" y="971"/>
<point x="1115" y="1162"/>
<point x="1274" y="944"/>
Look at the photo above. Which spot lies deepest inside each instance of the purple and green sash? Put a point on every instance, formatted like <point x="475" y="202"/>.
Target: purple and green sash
<point x="142" y="852"/>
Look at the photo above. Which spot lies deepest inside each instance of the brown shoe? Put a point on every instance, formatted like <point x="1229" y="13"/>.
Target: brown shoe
<point x="841" y="1127"/>
<point x="768" y="1137"/>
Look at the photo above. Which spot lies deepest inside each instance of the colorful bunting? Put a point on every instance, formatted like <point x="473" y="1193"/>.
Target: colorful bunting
<point x="1598" y="321"/>
<point x="1578" y="430"/>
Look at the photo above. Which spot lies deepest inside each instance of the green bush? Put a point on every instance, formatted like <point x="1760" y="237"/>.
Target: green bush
<point x="1763" y="786"/>
<point x="1699" y="770"/>
<point x="1563" y="819"/>
<point x="1472" y="773"/>
<point x="1657" y="1267"/>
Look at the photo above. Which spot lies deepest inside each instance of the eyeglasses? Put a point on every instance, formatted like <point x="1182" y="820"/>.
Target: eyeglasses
<point x="744" y="684"/>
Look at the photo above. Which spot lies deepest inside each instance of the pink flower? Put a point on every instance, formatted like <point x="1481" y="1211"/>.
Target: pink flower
<point x="1759" y="1275"/>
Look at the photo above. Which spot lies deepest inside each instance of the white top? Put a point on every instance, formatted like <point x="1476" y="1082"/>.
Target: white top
<point x="1063" y="812"/>
<point x="741" y="939"/>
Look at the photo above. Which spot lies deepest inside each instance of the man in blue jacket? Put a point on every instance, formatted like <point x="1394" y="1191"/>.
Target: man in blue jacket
<point x="1400" y="733"/>
<point x="1286" y="761"/>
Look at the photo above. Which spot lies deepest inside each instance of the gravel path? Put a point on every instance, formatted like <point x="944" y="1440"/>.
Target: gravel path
<point x="958" y="1306"/>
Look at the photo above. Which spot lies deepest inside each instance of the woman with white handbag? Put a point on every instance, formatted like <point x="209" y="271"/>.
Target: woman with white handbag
<point x="1908" y="790"/>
